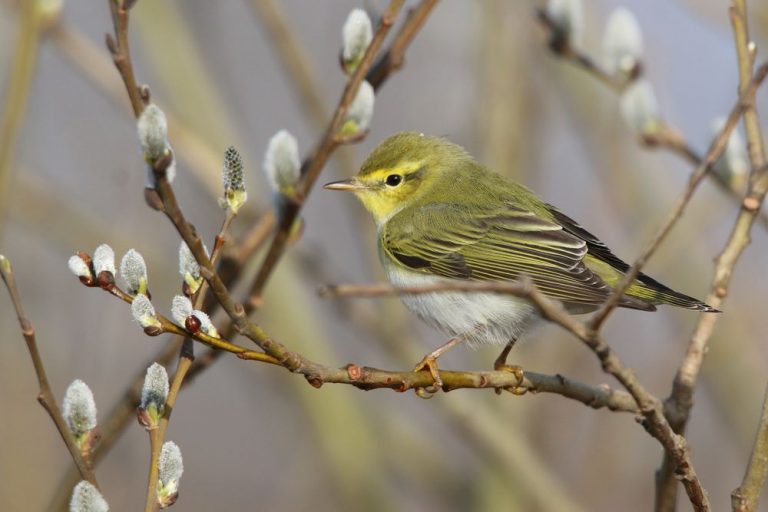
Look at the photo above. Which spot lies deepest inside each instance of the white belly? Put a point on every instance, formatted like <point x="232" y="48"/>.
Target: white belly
<point x="482" y="317"/>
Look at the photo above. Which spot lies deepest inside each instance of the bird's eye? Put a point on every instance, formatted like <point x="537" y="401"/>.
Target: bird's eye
<point x="393" y="180"/>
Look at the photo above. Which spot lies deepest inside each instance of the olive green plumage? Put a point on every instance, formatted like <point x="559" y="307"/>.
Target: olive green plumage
<point x="442" y="214"/>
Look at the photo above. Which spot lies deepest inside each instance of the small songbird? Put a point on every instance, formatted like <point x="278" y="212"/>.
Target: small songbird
<point x="443" y="217"/>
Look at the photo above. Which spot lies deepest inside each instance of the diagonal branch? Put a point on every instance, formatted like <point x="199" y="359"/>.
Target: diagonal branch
<point x="716" y="148"/>
<point x="314" y="164"/>
<point x="678" y="405"/>
<point x="667" y="137"/>
<point x="45" y="395"/>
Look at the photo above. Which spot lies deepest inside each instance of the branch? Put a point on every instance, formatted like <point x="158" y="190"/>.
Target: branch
<point x="716" y="148"/>
<point x="394" y="58"/>
<point x="667" y="137"/>
<point x="678" y="405"/>
<point x="312" y="166"/>
<point x="745" y="497"/>
<point x="648" y="405"/>
<point x="45" y="395"/>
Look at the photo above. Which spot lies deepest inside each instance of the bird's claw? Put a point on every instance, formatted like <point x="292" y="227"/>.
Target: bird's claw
<point x="519" y="374"/>
<point x="429" y="363"/>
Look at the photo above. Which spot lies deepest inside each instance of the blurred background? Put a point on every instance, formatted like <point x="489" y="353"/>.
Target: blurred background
<point x="255" y="437"/>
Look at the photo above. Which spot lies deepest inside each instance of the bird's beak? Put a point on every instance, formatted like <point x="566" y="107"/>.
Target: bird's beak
<point x="350" y="185"/>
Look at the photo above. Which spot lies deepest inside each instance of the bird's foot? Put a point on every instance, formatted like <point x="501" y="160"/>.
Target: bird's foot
<point x="429" y="363"/>
<point x="519" y="374"/>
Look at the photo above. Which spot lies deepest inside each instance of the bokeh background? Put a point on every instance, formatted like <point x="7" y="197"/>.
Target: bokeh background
<point x="257" y="438"/>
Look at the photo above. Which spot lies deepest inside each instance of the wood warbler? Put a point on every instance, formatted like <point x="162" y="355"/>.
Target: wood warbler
<point x="441" y="216"/>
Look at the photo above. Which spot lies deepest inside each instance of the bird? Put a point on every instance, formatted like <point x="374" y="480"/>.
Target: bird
<point x="442" y="217"/>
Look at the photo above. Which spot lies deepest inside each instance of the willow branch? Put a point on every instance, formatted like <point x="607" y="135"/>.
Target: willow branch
<point x="745" y="498"/>
<point x="667" y="136"/>
<point x="394" y="58"/>
<point x="680" y="401"/>
<point x="314" y="164"/>
<point x="716" y="148"/>
<point x="648" y="405"/>
<point x="45" y="395"/>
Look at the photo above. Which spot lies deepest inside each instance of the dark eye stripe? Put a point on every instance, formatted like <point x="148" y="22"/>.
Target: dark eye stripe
<point x="415" y="174"/>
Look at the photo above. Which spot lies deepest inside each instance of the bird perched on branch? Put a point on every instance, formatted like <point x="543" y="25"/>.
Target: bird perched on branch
<point x="443" y="217"/>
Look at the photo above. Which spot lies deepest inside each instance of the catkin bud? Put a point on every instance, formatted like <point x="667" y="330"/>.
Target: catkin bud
<point x="79" y="409"/>
<point x="153" y="133"/>
<point x="281" y="163"/>
<point x="205" y="323"/>
<point x="733" y="165"/>
<point x="104" y="260"/>
<point x="622" y="43"/>
<point x="181" y="309"/>
<point x="170" y="468"/>
<point x="87" y="498"/>
<point x="360" y="111"/>
<point x="356" y="35"/>
<point x="79" y="267"/>
<point x="640" y="109"/>
<point x="234" y="187"/>
<point x="567" y="17"/>
<point x="189" y="269"/>
<point x="134" y="272"/>
<point x="154" y="394"/>
<point x="144" y="313"/>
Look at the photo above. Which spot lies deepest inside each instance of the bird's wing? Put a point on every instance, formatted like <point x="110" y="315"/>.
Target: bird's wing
<point x="498" y="244"/>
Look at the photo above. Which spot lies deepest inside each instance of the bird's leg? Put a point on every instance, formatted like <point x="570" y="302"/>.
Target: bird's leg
<point x="501" y="365"/>
<point x="429" y="362"/>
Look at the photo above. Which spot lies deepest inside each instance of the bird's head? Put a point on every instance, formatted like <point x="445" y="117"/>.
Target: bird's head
<point x="400" y="171"/>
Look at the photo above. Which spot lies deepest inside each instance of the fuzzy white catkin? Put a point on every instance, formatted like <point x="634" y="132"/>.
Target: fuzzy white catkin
<point x="155" y="388"/>
<point x="104" y="259"/>
<point x="152" y="128"/>
<point x="622" y="42"/>
<point x="134" y="271"/>
<point x="639" y="107"/>
<point x="281" y="161"/>
<point x="360" y="111"/>
<point x="78" y="266"/>
<point x="187" y="262"/>
<point x="205" y="323"/>
<point x="568" y="17"/>
<point x="87" y="498"/>
<point x="356" y="35"/>
<point x="143" y="311"/>
<point x="79" y="408"/>
<point x="170" y="465"/>
<point x="181" y="308"/>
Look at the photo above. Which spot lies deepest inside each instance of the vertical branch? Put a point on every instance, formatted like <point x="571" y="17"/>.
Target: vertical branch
<point x="678" y="405"/>
<point x="45" y="396"/>
<point x="745" y="53"/>
<point x="330" y="141"/>
<point x="745" y="497"/>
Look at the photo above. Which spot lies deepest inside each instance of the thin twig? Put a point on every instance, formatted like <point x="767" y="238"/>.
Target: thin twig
<point x="394" y="58"/>
<point x="745" y="497"/>
<point x="45" y="395"/>
<point x="157" y="435"/>
<point x="716" y="148"/>
<point x="314" y="165"/>
<point x="667" y="136"/>
<point x="678" y="405"/>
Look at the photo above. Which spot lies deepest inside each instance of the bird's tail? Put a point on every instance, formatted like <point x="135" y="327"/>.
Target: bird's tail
<point x="649" y="290"/>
